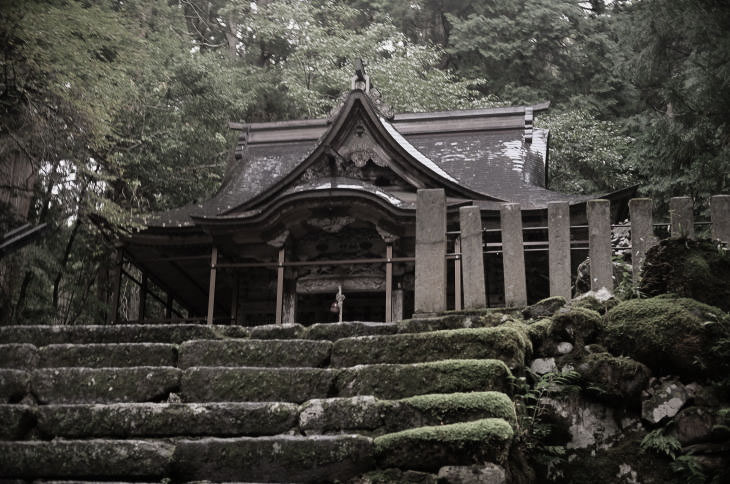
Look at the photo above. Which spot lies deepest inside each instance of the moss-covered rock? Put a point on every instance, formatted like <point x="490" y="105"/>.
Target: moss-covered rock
<point x="215" y="384"/>
<point x="42" y="335"/>
<point x="278" y="331"/>
<point x="589" y="301"/>
<point x="668" y="334"/>
<point x="615" y="378"/>
<point x="430" y="448"/>
<point x="576" y="325"/>
<point x="406" y="380"/>
<point x="395" y="476"/>
<point x="349" y="329"/>
<point x="507" y="342"/>
<point x="112" y="355"/>
<point x="16" y="421"/>
<point x="688" y="268"/>
<point x="255" y="352"/>
<point x="459" y="407"/>
<point x="79" y="459"/>
<point x="18" y="356"/>
<point x="125" y="420"/>
<point x="14" y="385"/>
<point x="104" y="385"/>
<point x="544" y="308"/>
<point x="283" y="458"/>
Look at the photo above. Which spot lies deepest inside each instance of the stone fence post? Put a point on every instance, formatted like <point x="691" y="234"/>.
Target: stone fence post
<point x="430" y="285"/>
<point x="472" y="257"/>
<point x="513" y="255"/>
<point x="599" y="244"/>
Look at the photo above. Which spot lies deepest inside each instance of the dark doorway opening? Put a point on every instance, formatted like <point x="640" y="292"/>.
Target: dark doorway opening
<point x="358" y="306"/>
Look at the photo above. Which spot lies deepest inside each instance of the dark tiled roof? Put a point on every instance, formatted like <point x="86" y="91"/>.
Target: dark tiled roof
<point x="483" y="150"/>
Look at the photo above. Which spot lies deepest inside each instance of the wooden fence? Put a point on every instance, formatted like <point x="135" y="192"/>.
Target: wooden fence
<point x="431" y="246"/>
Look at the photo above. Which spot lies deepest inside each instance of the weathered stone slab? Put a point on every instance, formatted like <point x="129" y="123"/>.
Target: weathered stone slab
<point x="124" y="420"/>
<point x="559" y="249"/>
<point x="599" y="244"/>
<point x="405" y="380"/>
<point x="513" y="255"/>
<point x="14" y="385"/>
<point x="95" y="459"/>
<point x="472" y="257"/>
<point x="278" y="331"/>
<point x="43" y="335"/>
<point x="430" y="289"/>
<point x="335" y="331"/>
<point x="681" y="218"/>
<point x="252" y="352"/>
<point x="15" y="421"/>
<point x="430" y="448"/>
<point x="504" y="343"/>
<point x="18" y="356"/>
<point x="104" y="385"/>
<point x="371" y="416"/>
<point x="113" y="355"/>
<point x="476" y="474"/>
<point x="642" y="233"/>
<point x="274" y="459"/>
<point x="720" y="216"/>
<point x="451" y="320"/>
<point x="213" y="384"/>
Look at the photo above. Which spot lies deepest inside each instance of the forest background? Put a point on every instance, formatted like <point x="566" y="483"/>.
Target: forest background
<point x="116" y="108"/>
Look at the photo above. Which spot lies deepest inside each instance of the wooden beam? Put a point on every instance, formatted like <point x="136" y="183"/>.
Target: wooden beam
<point x="116" y="285"/>
<point x="388" y="283"/>
<point x="142" y="297"/>
<point x="211" y="286"/>
<point x="280" y="286"/>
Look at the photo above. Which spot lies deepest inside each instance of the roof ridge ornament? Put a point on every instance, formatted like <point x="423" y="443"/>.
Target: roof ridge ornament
<point x="360" y="81"/>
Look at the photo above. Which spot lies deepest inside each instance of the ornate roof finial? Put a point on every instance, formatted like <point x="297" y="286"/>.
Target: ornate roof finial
<point x="360" y="80"/>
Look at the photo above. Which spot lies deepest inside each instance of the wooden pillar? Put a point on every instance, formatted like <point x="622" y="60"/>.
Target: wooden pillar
<point x="430" y="287"/>
<point x="280" y="286"/>
<point x="388" y="283"/>
<point x="234" y="300"/>
<point x="168" y="306"/>
<point x="513" y="255"/>
<point x="472" y="257"/>
<point x="142" y="297"/>
<point x="599" y="244"/>
<point x="559" y="249"/>
<point x="211" y="286"/>
<point x="116" y="286"/>
<point x="457" y="274"/>
<point x="681" y="218"/>
<point x="642" y="233"/>
<point x="720" y="217"/>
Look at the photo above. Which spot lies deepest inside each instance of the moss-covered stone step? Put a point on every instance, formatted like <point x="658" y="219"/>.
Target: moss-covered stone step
<point x="86" y="459"/>
<point x="472" y="318"/>
<point x="430" y="448"/>
<point x="104" y="385"/>
<point x="18" y="355"/>
<point x="273" y="459"/>
<point x="42" y="335"/>
<point x="15" y="421"/>
<point x="14" y="385"/>
<point x="107" y="355"/>
<point x="255" y="352"/>
<point x="406" y="380"/>
<point x="506" y="343"/>
<point x="371" y="416"/>
<point x="135" y="420"/>
<point x="348" y="329"/>
<point x="216" y="384"/>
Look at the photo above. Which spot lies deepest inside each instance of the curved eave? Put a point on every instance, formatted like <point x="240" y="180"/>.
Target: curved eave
<point x="386" y="138"/>
<point x="332" y="195"/>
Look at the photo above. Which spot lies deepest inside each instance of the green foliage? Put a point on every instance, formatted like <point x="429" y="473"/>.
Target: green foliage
<point x="587" y="155"/>
<point x="656" y="441"/>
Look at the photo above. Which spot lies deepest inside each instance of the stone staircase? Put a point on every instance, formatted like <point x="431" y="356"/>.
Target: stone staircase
<point x="329" y="402"/>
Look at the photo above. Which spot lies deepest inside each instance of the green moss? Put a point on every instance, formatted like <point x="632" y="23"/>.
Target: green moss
<point x="539" y="331"/>
<point x="545" y="307"/>
<point x="590" y="302"/>
<point x="614" y="378"/>
<point x="429" y="448"/>
<point x="507" y="342"/>
<point x="442" y="406"/>
<point x="447" y="376"/>
<point x="578" y="325"/>
<point x="484" y="430"/>
<point x="668" y="334"/>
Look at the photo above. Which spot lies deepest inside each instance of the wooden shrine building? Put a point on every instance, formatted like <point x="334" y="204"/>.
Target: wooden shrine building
<point x="309" y="206"/>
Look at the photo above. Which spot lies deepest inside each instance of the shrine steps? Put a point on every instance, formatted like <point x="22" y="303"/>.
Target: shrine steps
<point x="265" y="404"/>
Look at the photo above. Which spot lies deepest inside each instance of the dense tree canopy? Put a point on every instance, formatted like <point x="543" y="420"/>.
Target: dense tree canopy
<point x="117" y="108"/>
